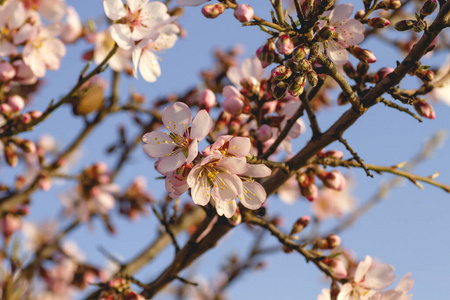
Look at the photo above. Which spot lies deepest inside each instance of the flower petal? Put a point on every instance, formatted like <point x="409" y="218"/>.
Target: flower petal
<point x="172" y="162"/>
<point x="233" y="165"/>
<point x="226" y="187"/>
<point x="201" y="125"/>
<point x="239" y="146"/>
<point x="192" y="151"/>
<point x="114" y="9"/>
<point x="177" y="117"/>
<point x="158" y="144"/>
<point x="341" y="12"/>
<point x="362" y="269"/>
<point x="201" y="191"/>
<point x="121" y="34"/>
<point x="379" y="277"/>
<point x="257" y="171"/>
<point x="226" y="208"/>
<point x="253" y="196"/>
<point x="149" y="66"/>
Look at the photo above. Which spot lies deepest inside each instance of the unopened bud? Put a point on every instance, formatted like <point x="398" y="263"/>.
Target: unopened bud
<point x="244" y="13"/>
<point x="297" y="86"/>
<point x="395" y="4"/>
<point x="35" y="114"/>
<point x="310" y="192"/>
<point x="284" y="44"/>
<point x="279" y="90"/>
<point x="337" y="266"/>
<point x="362" y="68"/>
<point x="304" y="65"/>
<point x="378" y="22"/>
<point x="333" y="180"/>
<point x="25" y="118"/>
<point x="428" y="7"/>
<point x="7" y="71"/>
<point x="233" y="105"/>
<point x="330" y="242"/>
<point x="212" y="11"/>
<point x="342" y="99"/>
<point x="325" y="33"/>
<point x="363" y="55"/>
<point x="45" y="181"/>
<point x="264" y="133"/>
<point x="311" y="75"/>
<point x="300" y="224"/>
<point x="424" y="109"/>
<point x="236" y="219"/>
<point x="281" y="72"/>
<point x="27" y="146"/>
<point x="360" y="14"/>
<point x="349" y="70"/>
<point x="334" y="154"/>
<point x="404" y="25"/>
<point x="266" y="53"/>
<point x="383" y="72"/>
<point x="419" y="25"/>
<point x="300" y="52"/>
<point x="11" y="155"/>
<point x="207" y="99"/>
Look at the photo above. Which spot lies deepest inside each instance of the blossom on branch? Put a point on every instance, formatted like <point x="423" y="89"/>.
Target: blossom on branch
<point x="346" y="32"/>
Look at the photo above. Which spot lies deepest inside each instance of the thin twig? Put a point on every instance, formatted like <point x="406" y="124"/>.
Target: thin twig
<point x="167" y="227"/>
<point x="355" y="156"/>
<point x="400" y="108"/>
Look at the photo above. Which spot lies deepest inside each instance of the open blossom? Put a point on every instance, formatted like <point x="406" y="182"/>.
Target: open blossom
<point x="368" y="281"/>
<point x="135" y="21"/>
<point x="250" y="69"/>
<point x="346" y="32"/>
<point x="225" y="176"/>
<point x="144" y="58"/>
<point x="52" y="10"/>
<point x="104" y="43"/>
<point x="400" y="292"/>
<point x="12" y="28"/>
<point x="331" y="203"/>
<point x="181" y="144"/>
<point x="44" y="51"/>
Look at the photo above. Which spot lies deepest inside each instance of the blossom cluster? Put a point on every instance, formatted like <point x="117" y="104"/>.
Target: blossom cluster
<point x="220" y="172"/>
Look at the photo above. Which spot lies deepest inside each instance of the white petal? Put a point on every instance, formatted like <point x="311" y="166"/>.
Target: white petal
<point x="192" y="151"/>
<point x="362" y="269"/>
<point x="226" y="187"/>
<point x="226" y="208"/>
<point x="121" y="34"/>
<point x="149" y="66"/>
<point x="337" y="53"/>
<point x="233" y="165"/>
<point x="253" y="196"/>
<point x="239" y="146"/>
<point x="341" y="12"/>
<point x="257" y="171"/>
<point x="114" y="9"/>
<point x="379" y="277"/>
<point x="135" y="57"/>
<point x="201" y="125"/>
<point x="172" y="162"/>
<point x="134" y="5"/>
<point x="201" y="191"/>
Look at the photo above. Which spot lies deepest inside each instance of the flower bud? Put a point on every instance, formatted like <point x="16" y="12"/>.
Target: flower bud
<point x="279" y="90"/>
<point x="360" y="14"/>
<point x="310" y="192"/>
<point x="244" y="13"/>
<point x="300" y="224"/>
<point x="419" y="25"/>
<point x="297" y="86"/>
<point x="337" y="266"/>
<point x="383" y="72"/>
<point x="311" y="75"/>
<point x="378" y="22"/>
<point x="404" y="25"/>
<point x="212" y="11"/>
<point x="35" y="114"/>
<point x="27" y="146"/>
<point x="45" y="181"/>
<point x="281" y="72"/>
<point x="304" y="65"/>
<point x="266" y="53"/>
<point x="342" y="99"/>
<point x="16" y="102"/>
<point x="333" y="180"/>
<point x="428" y="8"/>
<point x="284" y="44"/>
<point x="207" y="99"/>
<point x="363" y="55"/>
<point x="7" y="71"/>
<point x="300" y="52"/>
<point x="325" y="33"/>
<point x="264" y="133"/>
<point x="362" y="68"/>
<point x="6" y="109"/>
<point x="424" y="109"/>
<point x="334" y="154"/>
<point x="330" y="242"/>
<point x="11" y="154"/>
<point x="25" y="118"/>
<point x="233" y="105"/>
<point x="349" y="70"/>
<point x="395" y="4"/>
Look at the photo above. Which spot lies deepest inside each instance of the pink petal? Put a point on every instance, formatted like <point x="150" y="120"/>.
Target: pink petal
<point x="114" y="9"/>
<point x="405" y="284"/>
<point x="6" y="48"/>
<point x="229" y="91"/>
<point x="193" y="175"/>
<point x="379" y="277"/>
<point x="253" y="196"/>
<point x="149" y="66"/>
<point x="239" y="146"/>
<point x="177" y="117"/>
<point x="172" y="162"/>
<point x="121" y="34"/>
<point x="252" y="68"/>
<point x="158" y="144"/>
<point x="201" y="125"/>
<point x="192" y="151"/>
<point x="134" y="5"/>
<point x="257" y="171"/>
<point x="226" y="187"/>
<point x="337" y="53"/>
<point x="233" y="165"/>
<point x="341" y="12"/>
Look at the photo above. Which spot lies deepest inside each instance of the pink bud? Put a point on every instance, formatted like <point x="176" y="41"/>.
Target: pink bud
<point x="233" y="105"/>
<point x="45" y="181"/>
<point x="212" y="11"/>
<point x="244" y="13"/>
<point x="236" y="219"/>
<point x="25" y="118"/>
<point x="424" y="109"/>
<point x="330" y="242"/>
<point x="7" y="71"/>
<point x="207" y="99"/>
<point x="16" y="102"/>
<point x="335" y="154"/>
<point x="337" y="266"/>
<point x="284" y="44"/>
<point x="300" y="224"/>
<point x="360" y="14"/>
<point x="310" y="192"/>
<point x="6" y="109"/>
<point x="383" y="72"/>
<point x="334" y="180"/>
<point x="24" y="75"/>
<point x="264" y="133"/>
<point x="378" y="22"/>
<point x="35" y="114"/>
<point x="266" y="53"/>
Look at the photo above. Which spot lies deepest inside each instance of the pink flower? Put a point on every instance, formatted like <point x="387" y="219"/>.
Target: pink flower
<point x="207" y="99"/>
<point x="104" y="43"/>
<point x="135" y="21"/>
<point x="52" y="10"/>
<point x="369" y="279"/>
<point x="332" y="204"/>
<point x="251" y="70"/>
<point x="298" y="128"/>
<point x="73" y="29"/>
<point x="234" y="100"/>
<point x="181" y="144"/>
<point x="400" y="291"/>
<point x="44" y="51"/>
<point x="12" y="19"/>
<point x="347" y="32"/>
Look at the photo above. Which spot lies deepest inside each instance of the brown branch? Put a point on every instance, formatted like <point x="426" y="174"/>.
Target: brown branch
<point x="400" y="108"/>
<point x="355" y="156"/>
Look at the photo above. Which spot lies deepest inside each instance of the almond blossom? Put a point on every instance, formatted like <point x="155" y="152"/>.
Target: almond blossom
<point x="12" y="28"/>
<point x="135" y="21"/>
<point x="104" y="43"/>
<point x="52" y="10"/>
<point x="346" y="32"/>
<point x="250" y="69"/>
<point x="181" y="144"/>
<point x="368" y="281"/>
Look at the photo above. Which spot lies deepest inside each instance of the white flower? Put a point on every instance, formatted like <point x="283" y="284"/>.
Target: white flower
<point x="250" y="69"/>
<point x="120" y="61"/>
